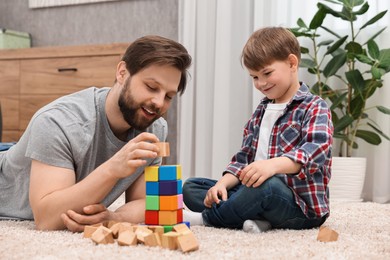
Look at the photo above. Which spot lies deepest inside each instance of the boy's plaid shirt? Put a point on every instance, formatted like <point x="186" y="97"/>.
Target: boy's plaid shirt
<point x="302" y="133"/>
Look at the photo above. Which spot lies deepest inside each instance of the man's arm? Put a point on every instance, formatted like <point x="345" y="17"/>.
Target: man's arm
<point x="54" y="191"/>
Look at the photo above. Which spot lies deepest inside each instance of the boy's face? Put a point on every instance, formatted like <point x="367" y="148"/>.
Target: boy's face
<point x="147" y="95"/>
<point x="278" y="80"/>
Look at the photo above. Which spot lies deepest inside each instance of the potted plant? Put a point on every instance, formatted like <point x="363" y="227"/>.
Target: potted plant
<point x="348" y="69"/>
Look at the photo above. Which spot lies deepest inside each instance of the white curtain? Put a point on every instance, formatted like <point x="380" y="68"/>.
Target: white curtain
<point x="220" y="97"/>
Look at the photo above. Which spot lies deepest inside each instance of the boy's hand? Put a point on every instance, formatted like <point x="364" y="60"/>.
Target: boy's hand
<point x="256" y="173"/>
<point x="214" y="194"/>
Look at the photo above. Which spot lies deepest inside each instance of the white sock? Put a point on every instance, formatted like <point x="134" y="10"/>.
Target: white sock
<point x="195" y="218"/>
<point x="256" y="226"/>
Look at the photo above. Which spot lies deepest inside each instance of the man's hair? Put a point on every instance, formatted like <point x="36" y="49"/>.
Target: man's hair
<point x="267" y="45"/>
<point x="157" y="50"/>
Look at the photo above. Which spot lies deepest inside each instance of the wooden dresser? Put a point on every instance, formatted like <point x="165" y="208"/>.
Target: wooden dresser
<point x="31" y="78"/>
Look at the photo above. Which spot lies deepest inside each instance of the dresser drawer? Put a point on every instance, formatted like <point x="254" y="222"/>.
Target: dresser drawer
<point x="31" y="104"/>
<point x="66" y="75"/>
<point x="9" y="77"/>
<point x="10" y="111"/>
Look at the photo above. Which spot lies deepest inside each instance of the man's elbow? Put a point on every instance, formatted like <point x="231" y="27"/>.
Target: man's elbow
<point x="48" y="223"/>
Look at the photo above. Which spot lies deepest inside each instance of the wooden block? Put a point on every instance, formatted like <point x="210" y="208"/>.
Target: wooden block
<point x="152" y="188"/>
<point x="88" y="230"/>
<point x="120" y="227"/>
<point x="110" y="223"/>
<point x="157" y="229"/>
<point x="169" y="240"/>
<point x="167" y="173"/>
<point x="142" y="232"/>
<point x="327" y="234"/>
<point x="187" y="242"/>
<point x="167" y="187"/>
<point x="127" y="238"/>
<point x="151" y="217"/>
<point x="179" y="216"/>
<point x="182" y="229"/>
<point x="169" y="202"/>
<point x="151" y="173"/>
<point x="167" y="217"/>
<point x="178" y="172"/>
<point x="102" y="235"/>
<point x="152" y="239"/>
<point x="152" y="202"/>
<point x="164" y="149"/>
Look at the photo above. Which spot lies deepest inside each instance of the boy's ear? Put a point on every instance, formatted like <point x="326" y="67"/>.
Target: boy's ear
<point x="121" y="72"/>
<point x="293" y="60"/>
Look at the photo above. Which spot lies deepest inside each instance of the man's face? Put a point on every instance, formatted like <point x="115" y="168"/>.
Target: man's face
<point x="147" y="95"/>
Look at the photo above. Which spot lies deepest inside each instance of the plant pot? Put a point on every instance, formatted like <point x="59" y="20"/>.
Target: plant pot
<point x="346" y="182"/>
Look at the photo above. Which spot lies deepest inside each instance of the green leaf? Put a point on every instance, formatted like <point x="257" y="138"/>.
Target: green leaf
<point x="384" y="59"/>
<point x="365" y="59"/>
<point x="379" y="131"/>
<point x="354" y="48"/>
<point x="331" y="32"/>
<point x="304" y="50"/>
<point x="373" y="49"/>
<point x="352" y="3"/>
<point x="301" y="23"/>
<point x="374" y="19"/>
<point x="318" y="18"/>
<point x="363" y="9"/>
<point x="383" y="109"/>
<point x="332" y="12"/>
<point x="336" y="45"/>
<point x="375" y="35"/>
<point x="338" y="101"/>
<point x="307" y="63"/>
<point x="356" y="80"/>
<point x="326" y="42"/>
<point x="342" y="123"/>
<point x="369" y="137"/>
<point x="334" y="64"/>
<point x="377" y="73"/>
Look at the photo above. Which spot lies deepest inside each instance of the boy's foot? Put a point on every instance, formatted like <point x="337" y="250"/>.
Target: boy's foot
<point x="195" y="218"/>
<point x="256" y="226"/>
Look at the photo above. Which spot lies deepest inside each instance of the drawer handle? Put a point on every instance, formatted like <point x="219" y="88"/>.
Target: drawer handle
<point x="66" y="69"/>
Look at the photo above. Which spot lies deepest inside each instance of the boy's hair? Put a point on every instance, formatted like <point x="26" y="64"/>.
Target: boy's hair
<point x="267" y="45"/>
<point x="157" y="50"/>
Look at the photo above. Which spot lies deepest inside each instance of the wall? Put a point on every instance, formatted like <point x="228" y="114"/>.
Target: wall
<point x="98" y="23"/>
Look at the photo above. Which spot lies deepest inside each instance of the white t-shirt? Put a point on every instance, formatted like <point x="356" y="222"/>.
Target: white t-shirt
<point x="271" y="114"/>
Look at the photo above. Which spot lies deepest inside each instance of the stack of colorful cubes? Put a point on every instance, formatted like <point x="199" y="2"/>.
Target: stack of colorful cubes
<point x="164" y="197"/>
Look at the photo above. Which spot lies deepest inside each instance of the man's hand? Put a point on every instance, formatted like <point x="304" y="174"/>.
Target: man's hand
<point x="126" y="161"/>
<point x="92" y="214"/>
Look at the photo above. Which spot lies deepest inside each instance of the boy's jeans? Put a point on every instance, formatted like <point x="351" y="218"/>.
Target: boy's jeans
<point x="272" y="201"/>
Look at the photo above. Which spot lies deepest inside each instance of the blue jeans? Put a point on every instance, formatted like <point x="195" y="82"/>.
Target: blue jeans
<point x="272" y="201"/>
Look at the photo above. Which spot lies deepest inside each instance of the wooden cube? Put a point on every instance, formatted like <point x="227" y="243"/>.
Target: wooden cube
<point x="88" y="230"/>
<point x="169" y="240"/>
<point x="327" y="234"/>
<point x="151" y="173"/>
<point x="142" y="232"/>
<point x="127" y="238"/>
<point x="102" y="235"/>
<point x="187" y="242"/>
<point x="169" y="202"/>
<point x="164" y="149"/>
<point x="153" y="239"/>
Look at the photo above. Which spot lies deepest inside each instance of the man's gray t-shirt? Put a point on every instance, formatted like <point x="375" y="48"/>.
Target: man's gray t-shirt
<point x="72" y="132"/>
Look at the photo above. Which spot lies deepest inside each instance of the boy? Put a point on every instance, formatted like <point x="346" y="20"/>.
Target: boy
<point x="279" y="177"/>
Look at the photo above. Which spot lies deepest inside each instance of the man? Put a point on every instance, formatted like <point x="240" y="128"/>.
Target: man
<point x="82" y="151"/>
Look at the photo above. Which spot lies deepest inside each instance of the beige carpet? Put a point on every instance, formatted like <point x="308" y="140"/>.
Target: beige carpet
<point x="363" y="227"/>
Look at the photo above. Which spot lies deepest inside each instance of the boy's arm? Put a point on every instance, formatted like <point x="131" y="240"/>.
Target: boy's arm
<point x="259" y="171"/>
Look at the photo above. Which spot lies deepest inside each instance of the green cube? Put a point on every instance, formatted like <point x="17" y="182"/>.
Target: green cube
<point x="152" y="202"/>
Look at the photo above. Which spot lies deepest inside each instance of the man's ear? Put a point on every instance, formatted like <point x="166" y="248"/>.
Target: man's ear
<point x="121" y="72"/>
<point x="294" y="62"/>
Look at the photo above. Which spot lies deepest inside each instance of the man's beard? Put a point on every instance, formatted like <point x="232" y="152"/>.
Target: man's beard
<point x="129" y="108"/>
